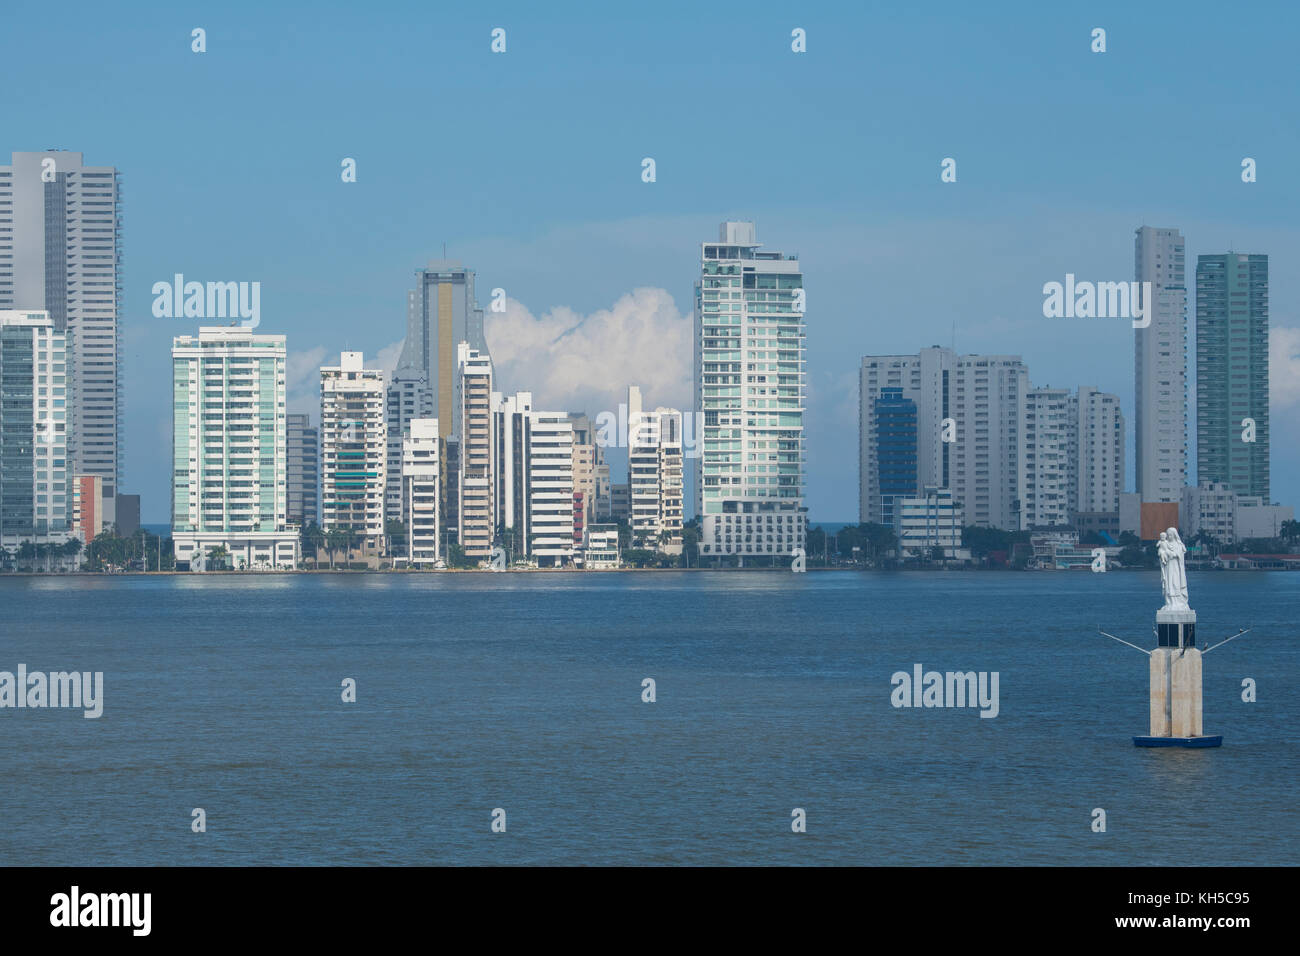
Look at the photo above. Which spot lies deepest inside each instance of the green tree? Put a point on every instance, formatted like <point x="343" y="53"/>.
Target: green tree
<point x="878" y="539"/>
<point x="456" y="557"/>
<point x="337" y="539"/>
<point x="1262" y="546"/>
<point x="640" y="557"/>
<point x="396" y="533"/>
<point x="815" y="544"/>
<point x="107" y="550"/>
<point x="690" y="556"/>
<point x="313" y="540"/>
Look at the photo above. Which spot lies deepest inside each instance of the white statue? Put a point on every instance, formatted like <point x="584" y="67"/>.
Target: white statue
<point x="1173" y="570"/>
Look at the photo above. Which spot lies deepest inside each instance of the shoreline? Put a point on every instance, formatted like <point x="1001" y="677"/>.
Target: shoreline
<point x="766" y="569"/>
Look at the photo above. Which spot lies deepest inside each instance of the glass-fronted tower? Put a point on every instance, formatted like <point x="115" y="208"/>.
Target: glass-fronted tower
<point x="230" y="449"/>
<point x="35" y="480"/>
<point x="1232" y="372"/>
<point x="750" y="384"/>
<point x="60" y="229"/>
<point x="895" y="454"/>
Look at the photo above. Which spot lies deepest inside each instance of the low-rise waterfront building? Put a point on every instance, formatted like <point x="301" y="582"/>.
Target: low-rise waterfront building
<point x="601" y="547"/>
<point x="928" y="521"/>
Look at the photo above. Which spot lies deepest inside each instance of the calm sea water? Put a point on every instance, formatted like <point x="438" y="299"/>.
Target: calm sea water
<point x="523" y="691"/>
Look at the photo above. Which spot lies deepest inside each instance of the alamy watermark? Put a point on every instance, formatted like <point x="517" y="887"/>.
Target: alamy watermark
<point x="75" y="908"/>
<point x="213" y="300"/>
<point x="1098" y="300"/>
<point x="73" y="689"/>
<point x="923" y="688"/>
<point x="614" y="430"/>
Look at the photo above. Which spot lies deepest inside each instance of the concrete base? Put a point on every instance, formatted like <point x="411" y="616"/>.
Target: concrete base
<point x="1185" y="707"/>
<point x="1175" y="704"/>
<point x="1214" y="741"/>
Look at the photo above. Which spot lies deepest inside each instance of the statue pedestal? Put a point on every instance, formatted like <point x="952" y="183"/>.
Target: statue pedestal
<point x="1176" y="685"/>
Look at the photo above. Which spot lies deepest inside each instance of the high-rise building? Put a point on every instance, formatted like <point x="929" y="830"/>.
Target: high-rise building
<point x="1044" y="458"/>
<point x="620" y="502"/>
<point x="354" y="451"/>
<point x="442" y="312"/>
<point x="968" y="416"/>
<point x="1160" y="369"/>
<point x="1232" y="372"/>
<point x="61" y="219"/>
<point x="508" y="481"/>
<point x="408" y="398"/>
<point x="230" y="449"/>
<point x="548" y="488"/>
<point x="654" y="470"/>
<point x="88" y="507"/>
<point x="750" y="381"/>
<point x="303" y="471"/>
<point x="36" y="494"/>
<point x="532" y="473"/>
<point x="590" y="470"/>
<point x="421" y="473"/>
<point x="128" y="515"/>
<point x="895" y="460"/>
<point x="1097" y="447"/>
<point x="474" y="486"/>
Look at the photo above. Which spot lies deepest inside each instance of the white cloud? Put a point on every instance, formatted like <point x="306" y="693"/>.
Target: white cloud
<point x="387" y="358"/>
<point x="302" y="374"/>
<point x="1283" y="366"/>
<point x="572" y="362"/>
<point x="302" y="369"/>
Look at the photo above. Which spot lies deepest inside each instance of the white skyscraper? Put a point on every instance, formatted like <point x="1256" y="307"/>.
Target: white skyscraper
<point x="1097" y="451"/>
<point x="230" y="449"/>
<point x="1160" y="368"/>
<point x="1044" y="458"/>
<point x="420" y="476"/>
<point x="654" y="472"/>
<point x="750" y="382"/>
<point x="36" y="483"/>
<point x="508" y="480"/>
<point x="548" y="493"/>
<point x="354" y="451"/>
<point x="408" y="399"/>
<point x="474" y="487"/>
<point x="967" y="412"/>
<point x="61" y="220"/>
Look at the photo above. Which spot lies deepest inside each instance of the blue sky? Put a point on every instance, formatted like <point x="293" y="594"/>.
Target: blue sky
<point x="527" y="165"/>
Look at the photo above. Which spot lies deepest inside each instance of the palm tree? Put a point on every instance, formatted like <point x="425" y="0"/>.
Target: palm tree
<point x="335" y="538"/>
<point x="313" y="540"/>
<point x="70" y="549"/>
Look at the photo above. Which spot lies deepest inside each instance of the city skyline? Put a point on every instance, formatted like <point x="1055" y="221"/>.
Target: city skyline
<point x="588" y="253"/>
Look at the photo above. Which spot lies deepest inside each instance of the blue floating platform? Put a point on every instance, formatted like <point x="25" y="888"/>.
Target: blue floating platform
<point x="1213" y="741"/>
